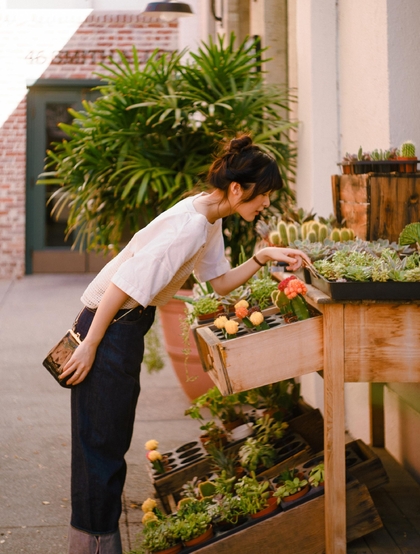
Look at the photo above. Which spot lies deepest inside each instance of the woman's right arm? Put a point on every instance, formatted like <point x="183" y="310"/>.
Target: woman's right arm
<point x="83" y="357"/>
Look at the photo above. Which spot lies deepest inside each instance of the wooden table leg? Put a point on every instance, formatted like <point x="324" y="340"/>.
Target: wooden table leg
<point x="334" y="430"/>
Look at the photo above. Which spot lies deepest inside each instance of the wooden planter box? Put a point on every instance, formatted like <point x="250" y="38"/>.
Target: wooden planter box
<point x="377" y="206"/>
<point x="167" y="486"/>
<point x="299" y="529"/>
<point x="261" y="358"/>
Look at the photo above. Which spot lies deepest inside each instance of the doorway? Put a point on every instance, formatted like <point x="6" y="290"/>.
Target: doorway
<point x="47" y="248"/>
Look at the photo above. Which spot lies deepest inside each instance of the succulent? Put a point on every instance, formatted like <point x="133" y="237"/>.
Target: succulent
<point x="410" y="235"/>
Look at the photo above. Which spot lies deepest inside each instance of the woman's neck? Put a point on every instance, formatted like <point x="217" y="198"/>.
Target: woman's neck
<point x="213" y="206"/>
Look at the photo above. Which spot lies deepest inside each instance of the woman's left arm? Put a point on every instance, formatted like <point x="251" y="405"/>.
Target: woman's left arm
<point x="240" y="275"/>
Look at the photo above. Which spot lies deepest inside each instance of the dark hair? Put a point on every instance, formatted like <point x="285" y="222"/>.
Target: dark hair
<point x="245" y="163"/>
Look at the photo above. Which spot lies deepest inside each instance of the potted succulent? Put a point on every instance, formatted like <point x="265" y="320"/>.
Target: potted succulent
<point x="160" y="533"/>
<point x="316" y="476"/>
<point x="292" y="485"/>
<point x="229" y="511"/>
<point x="407" y="157"/>
<point x="227" y="408"/>
<point x="194" y="521"/>
<point x="256" y="497"/>
<point x="277" y="400"/>
<point x="212" y="435"/>
<point x="256" y="455"/>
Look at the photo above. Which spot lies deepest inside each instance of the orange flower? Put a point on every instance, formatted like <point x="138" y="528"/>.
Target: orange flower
<point x="241" y="312"/>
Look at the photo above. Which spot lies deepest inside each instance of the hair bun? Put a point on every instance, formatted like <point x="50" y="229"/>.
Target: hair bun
<point x="236" y="145"/>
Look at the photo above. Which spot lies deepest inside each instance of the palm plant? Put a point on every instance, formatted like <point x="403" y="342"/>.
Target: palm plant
<point x="148" y="139"/>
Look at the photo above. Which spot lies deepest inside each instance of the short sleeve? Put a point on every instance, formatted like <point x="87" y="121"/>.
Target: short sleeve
<point x="165" y="248"/>
<point x="213" y="262"/>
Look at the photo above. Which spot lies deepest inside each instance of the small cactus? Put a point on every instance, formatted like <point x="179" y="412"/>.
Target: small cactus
<point x="312" y="236"/>
<point x="408" y="150"/>
<point x="335" y="235"/>
<point x="342" y="235"/>
<point x="274" y="238"/>
<point x="282" y="230"/>
<point x="293" y="232"/>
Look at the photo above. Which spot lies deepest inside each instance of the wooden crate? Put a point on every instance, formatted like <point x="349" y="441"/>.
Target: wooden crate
<point x="309" y="425"/>
<point x="257" y="359"/>
<point x="300" y="529"/>
<point x="377" y="205"/>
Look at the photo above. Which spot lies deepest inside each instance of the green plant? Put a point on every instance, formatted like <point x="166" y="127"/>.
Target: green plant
<point x="229" y="509"/>
<point x="224" y="464"/>
<point x="153" y="356"/>
<point x="410" y="235"/>
<point x="226" y="408"/>
<point x="341" y="235"/>
<point x="290" y="486"/>
<point x="317" y="475"/>
<point x="253" y="494"/>
<point x="269" y="430"/>
<point x="159" y="534"/>
<point x="212" y="435"/>
<point x="255" y="453"/>
<point x="148" y="139"/>
<point x="279" y="398"/>
<point x="408" y="149"/>
<point x="260" y="291"/>
<point x="192" y="525"/>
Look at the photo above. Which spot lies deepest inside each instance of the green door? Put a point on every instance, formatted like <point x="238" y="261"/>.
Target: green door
<point x="47" y="249"/>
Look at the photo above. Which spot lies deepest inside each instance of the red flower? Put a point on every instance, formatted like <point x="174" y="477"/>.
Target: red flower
<point x="285" y="282"/>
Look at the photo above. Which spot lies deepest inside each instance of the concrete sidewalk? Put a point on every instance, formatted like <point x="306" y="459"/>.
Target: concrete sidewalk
<point x="35" y="420"/>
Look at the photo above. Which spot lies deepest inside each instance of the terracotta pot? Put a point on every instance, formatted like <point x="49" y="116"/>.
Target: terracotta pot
<point x="201" y="538"/>
<point x="193" y="379"/>
<point x="171" y="550"/>
<point x="347" y="169"/>
<point x="272" y="507"/>
<point x="229" y="425"/>
<point x="297" y="495"/>
<point x="407" y="165"/>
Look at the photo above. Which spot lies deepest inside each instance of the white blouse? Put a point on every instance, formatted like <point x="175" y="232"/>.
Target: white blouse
<point x="160" y="257"/>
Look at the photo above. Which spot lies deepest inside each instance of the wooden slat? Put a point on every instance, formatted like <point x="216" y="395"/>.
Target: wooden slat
<point x="334" y="437"/>
<point x="382" y="342"/>
<point x="354" y="203"/>
<point x="394" y="204"/>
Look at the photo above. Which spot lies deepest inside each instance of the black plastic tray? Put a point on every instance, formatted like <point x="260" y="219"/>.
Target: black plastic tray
<point x="391" y="290"/>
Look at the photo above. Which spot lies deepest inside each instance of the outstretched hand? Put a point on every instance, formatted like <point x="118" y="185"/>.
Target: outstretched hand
<point x="292" y="256"/>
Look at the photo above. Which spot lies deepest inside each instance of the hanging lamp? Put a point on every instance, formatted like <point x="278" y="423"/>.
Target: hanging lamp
<point x="167" y="10"/>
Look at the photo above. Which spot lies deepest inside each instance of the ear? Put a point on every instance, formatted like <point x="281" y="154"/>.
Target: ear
<point x="236" y="188"/>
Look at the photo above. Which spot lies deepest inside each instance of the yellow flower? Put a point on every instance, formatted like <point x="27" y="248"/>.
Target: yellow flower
<point x="231" y="327"/>
<point x="148" y="505"/>
<point x="154" y="455"/>
<point x="220" y="321"/>
<point x="148" y="517"/>
<point x="256" y="318"/>
<point x="151" y="445"/>
<point x="242" y="303"/>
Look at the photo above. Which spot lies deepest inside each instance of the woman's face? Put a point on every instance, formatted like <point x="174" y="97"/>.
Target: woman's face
<point x="251" y="209"/>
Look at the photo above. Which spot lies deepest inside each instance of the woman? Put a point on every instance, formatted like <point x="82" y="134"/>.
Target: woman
<point x="119" y="309"/>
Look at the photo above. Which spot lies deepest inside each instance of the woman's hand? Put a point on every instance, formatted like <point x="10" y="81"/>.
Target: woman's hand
<point x="293" y="257"/>
<point x="80" y="363"/>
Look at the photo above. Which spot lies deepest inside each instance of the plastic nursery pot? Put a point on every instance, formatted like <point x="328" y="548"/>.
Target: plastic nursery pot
<point x="187" y="446"/>
<point x="171" y="550"/>
<point x="242" y="431"/>
<point x="201" y="538"/>
<point x="272" y="507"/>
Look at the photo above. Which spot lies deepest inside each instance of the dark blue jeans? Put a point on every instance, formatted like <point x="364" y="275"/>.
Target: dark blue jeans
<point x="102" y="415"/>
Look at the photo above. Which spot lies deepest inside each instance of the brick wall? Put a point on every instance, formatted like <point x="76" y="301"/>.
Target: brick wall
<point x="53" y="44"/>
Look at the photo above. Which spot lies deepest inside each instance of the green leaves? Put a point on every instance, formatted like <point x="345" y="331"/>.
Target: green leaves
<point x="149" y="138"/>
<point x="410" y="234"/>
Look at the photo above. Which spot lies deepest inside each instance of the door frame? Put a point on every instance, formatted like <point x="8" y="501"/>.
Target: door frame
<point x="62" y="258"/>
